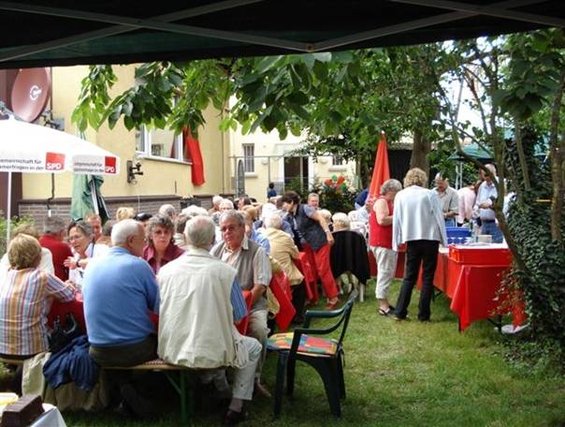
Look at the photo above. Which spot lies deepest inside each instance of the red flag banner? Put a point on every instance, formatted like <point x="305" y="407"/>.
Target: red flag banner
<point x="192" y="149"/>
<point x="381" y="171"/>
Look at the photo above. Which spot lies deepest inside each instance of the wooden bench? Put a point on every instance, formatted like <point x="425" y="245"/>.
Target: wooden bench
<point x="180" y="383"/>
<point x="12" y="361"/>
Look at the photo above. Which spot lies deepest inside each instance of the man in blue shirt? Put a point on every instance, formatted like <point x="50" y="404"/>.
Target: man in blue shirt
<point x="271" y="192"/>
<point x="120" y="291"/>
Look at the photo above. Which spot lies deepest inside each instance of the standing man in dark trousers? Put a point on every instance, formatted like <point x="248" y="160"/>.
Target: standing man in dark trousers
<point x="417" y="221"/>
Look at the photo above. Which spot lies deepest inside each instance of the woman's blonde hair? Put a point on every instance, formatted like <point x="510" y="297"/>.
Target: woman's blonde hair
<point x="24" y="251"/>
<point x="26" y="228"/>
<point x="251" y="211"/>
<point x="125" y="212"/>
<point x="326" y="214"/>
<point x="416" y="176"/>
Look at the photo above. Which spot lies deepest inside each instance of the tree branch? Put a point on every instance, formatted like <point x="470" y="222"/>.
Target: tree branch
<point x="557" y="156"/>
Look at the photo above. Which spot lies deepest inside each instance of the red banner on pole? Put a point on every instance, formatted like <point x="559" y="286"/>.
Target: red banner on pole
<point x="381" y="171"/>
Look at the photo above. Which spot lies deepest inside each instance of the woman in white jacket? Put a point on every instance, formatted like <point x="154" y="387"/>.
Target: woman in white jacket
<point x="418" y="222"/>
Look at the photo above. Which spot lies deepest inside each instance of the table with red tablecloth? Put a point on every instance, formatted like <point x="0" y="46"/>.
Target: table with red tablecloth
<point x="471" y="277"/>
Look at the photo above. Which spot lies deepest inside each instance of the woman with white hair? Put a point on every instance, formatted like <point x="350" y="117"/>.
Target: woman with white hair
<point x="340" y="221"/>
<point x="284" y="251"/>
<point x="380" y="242"/>
<point x="168" y="210"/>
<point x="216" y="200"/>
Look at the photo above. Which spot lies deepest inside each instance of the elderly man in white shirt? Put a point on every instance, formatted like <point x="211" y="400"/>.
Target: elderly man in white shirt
<point x="200" y="300"/>
<point x="417" y="221"/>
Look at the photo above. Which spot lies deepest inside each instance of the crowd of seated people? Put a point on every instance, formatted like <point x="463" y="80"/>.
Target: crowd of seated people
<point x="136" y="272"/>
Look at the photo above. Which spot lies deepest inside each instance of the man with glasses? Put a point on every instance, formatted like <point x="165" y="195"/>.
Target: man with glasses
<point x="253" y="274"/>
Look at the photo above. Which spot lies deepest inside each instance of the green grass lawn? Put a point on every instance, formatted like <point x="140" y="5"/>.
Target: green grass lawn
<point x="405" y="374"/>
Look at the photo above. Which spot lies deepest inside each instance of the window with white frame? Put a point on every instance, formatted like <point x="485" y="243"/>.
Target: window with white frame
<point x="160" y="143"/>
<point x="249" y="158"/>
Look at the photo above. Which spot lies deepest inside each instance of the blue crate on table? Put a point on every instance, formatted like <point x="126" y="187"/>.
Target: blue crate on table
<point x="457" y="234"/>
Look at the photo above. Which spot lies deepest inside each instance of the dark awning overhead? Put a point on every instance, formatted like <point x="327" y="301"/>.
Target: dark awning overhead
<point x="69" y="32"/>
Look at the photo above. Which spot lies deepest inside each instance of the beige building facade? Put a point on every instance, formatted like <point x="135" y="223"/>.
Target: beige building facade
<point x="233" y="163"/>
<point x="164" y="179"/>
<point x="260" y="158"/>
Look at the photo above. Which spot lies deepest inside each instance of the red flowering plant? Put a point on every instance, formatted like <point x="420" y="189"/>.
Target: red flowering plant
<point x="335" y="194"/>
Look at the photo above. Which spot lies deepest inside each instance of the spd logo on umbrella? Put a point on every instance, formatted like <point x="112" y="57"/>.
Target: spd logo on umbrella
<point x="110" y="165"/>
<point x="54" y="161"/>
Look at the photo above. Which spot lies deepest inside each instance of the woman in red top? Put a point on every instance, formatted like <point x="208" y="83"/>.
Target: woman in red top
<point x="380" y="241"/>
<point x="160" y="248"/>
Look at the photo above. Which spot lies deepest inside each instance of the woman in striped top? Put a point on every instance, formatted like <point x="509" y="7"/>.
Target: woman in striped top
<point x="25" y="299"/>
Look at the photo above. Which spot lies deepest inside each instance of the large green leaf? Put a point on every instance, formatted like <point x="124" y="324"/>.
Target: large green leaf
<point x="266" y="63"/>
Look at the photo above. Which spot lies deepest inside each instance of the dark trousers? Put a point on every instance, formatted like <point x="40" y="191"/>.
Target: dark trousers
<point x="418" y="252"/>
<point x="126" y="355"/>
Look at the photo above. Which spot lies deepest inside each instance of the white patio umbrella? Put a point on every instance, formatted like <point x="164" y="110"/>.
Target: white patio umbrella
<point x="30" y="148"/>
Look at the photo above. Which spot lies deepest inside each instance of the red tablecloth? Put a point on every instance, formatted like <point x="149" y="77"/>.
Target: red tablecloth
<point x="475" y="294"/>
<point x="474" y="289"/>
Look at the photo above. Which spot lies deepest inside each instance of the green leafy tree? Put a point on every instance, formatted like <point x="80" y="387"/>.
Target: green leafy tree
<point x="517" y="84"/>
<point x="533" y="97"/>
<point x="341" y="100"/>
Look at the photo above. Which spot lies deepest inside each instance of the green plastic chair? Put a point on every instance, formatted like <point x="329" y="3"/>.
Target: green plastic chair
<point x="311" y="345"/>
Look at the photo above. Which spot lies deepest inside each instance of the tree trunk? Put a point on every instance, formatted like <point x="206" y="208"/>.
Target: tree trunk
<point x="557" y="147"/>
<point x="420" y="150"/>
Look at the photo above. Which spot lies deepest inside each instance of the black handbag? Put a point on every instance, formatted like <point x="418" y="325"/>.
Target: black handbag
<point x="63" y="332"/>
